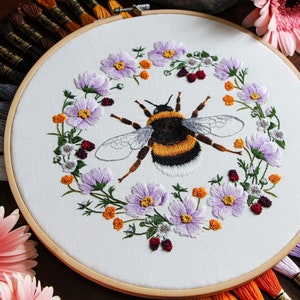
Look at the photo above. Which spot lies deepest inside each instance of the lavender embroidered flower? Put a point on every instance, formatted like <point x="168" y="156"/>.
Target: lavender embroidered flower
<point x="93" y="179"/>
<point x="90" y="82"/>
<point x="164" y="52"/>
<point x="83" y="113"/>
<point x="227" y="199"/>
<point x="253" y="93"/>
<point x="144" y="197"/>
<point x="263" y="148"/>
<point x="227" y="68"/>
<point x="119" y="65"/>
<point x="186" y="218"/>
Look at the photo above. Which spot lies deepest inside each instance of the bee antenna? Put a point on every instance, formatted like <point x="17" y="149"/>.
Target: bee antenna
<point x="150" y="103"/>
<point x="169" y="100"/>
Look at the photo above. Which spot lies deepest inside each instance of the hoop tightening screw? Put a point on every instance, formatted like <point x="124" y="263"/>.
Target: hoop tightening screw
<point x="136" y="9"/>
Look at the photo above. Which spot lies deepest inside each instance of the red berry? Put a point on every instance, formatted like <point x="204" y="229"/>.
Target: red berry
<point x="107" y="101"/>
<point x="167" y="245"/>
<point x="201" y="74"/>
<point x="256" y="208"/>
<point x="87" y="145"/>
<point x="154" y="243"/>
<point x="233" y="175"/>
<point x="191" y="77"/>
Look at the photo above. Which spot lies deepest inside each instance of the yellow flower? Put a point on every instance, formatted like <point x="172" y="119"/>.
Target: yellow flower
<point x="228" y="86"/>
<point x="199" y="192"/>
<point x="274" y="178"/>
<point x="145" y="64"/>
<point x="118" y="223"/>
<point x="215" y="225"/>
<point x="239" y="144"/>
<point x="109" y="213"/>
<point x="67" y="179"/>
<point x="60" y="118"/>
<point x="144" y="75"/>
<point x="229" y="100"/>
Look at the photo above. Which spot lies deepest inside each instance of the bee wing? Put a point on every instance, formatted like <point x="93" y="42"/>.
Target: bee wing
<point x="121" y="146"/>
<point x="220" y="125"/>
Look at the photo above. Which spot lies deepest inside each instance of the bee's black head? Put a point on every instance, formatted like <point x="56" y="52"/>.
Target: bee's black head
<point x="161" y="107"/>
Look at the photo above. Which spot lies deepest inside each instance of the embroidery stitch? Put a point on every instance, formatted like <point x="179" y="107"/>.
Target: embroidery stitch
<point x="250" y="183"/>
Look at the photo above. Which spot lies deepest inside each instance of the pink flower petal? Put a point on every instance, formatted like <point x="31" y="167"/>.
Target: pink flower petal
<point x="250" y="18"/>
<point x="286" y="43"/>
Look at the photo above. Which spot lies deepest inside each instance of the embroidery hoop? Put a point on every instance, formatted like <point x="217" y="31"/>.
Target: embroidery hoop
<point x="16" y="167"/>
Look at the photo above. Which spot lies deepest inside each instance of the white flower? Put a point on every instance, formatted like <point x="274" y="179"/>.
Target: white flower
<point x="68" y="149"/>
<point x="277" y="134"/>
<point x="263" y="124"/>
<point x="254" y="190"/>
<point x="163" y="229"/>
<point x="206" y="62"/>
<point x="69" y="166"/>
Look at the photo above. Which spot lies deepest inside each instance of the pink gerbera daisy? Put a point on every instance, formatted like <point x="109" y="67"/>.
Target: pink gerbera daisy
<point x="278" y="21"/>
<point x="17" y="252"/>
<point x="25" y="287"/>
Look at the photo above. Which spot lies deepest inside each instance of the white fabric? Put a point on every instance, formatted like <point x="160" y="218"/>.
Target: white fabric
<point x="244" y="243"/>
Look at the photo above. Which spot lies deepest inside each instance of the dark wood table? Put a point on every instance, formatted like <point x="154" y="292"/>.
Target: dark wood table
<point x="50" y="271"/>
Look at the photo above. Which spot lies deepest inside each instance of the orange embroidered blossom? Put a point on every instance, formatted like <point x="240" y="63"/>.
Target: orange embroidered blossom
<point x="60" y="118"/>
<point x="239" y="144"/>
<point x="118" y="223"/>
<point x="144" y="75"/>
<point x="229" y="100"/>
<point x="109" y="212"/>
<point x="274" y="178"/>
<point x="67" y="179"/>
<point x="215" y="225"/>
<point x="199" y="192"/>
<point x="228" y="86"/>
<point x="146" y="64"/>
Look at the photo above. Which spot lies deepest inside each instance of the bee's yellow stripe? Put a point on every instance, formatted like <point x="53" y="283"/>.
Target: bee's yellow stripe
<point x="165" y="115"/>
<point x="175" y="149"/>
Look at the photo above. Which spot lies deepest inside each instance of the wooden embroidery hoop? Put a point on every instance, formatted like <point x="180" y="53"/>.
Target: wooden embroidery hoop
<point x="68" y="259"/>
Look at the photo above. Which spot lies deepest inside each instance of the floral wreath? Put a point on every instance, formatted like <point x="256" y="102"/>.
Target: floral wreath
<point x="250" y="184"/>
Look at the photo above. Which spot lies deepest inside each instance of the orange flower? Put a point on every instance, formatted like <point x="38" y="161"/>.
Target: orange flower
<point x="118" y="223"/>
<point x="215" y="225"/>
<point x="60" y="118"/>
<point x="239" y="144"/>
<point x="274" y="178"/>
<point x="228" y="86"/>
<point x="67" y="179"/>
<point x="229" y="100"/>
<point x="109" y="213"/>
<point x="199" y="192"/>
<point x="145" y="75"/>
<point x="146" y="64"/>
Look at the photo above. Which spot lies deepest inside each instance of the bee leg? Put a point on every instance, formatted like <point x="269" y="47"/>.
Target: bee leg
<point x="200" y="107"/>
<point x="146" y="111"/>
<point x="208" y="141"/>
<point x="126" y="121"/>
<point x="177" y="108"/>
<point x="141" y="155"/>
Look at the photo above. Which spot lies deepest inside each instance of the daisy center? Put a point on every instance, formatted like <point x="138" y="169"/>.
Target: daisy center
<point x="146" y="201"/>
<point x="228" y="200"/>
<point x="119" y="65"/>
<point x="168" y="53"/>
<point x="83" y="113"/>
<point x="185" y="218"/>
<point x="255" y="96"/>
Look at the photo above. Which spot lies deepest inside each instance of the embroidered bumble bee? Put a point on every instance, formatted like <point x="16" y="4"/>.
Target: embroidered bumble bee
<point x="172" y="138"/>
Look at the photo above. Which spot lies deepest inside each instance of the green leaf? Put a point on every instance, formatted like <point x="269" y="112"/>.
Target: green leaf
<point x="76" y="139"/>
<point x="280" y="144"/>
<point x="204" y="54"/>
<point x="157" y="219"/>
<point x="150" y="232"/>
<point x="272" y="126"/>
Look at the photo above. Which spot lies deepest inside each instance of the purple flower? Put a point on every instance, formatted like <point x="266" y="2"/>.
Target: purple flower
<point x="253" y="93"/>
<point x="90" y="82"/>
<point x="119" y="65"/>
<point x="164" y="52"/>
<point x="227" y="68"/>
<point x="227" y="199"/>
<point x="263" y="148"/>
<point x="186" y="218"/>
<point x="144" y="197"/>
<point x="83" y="113"/>
<point x="90" y="180"/>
